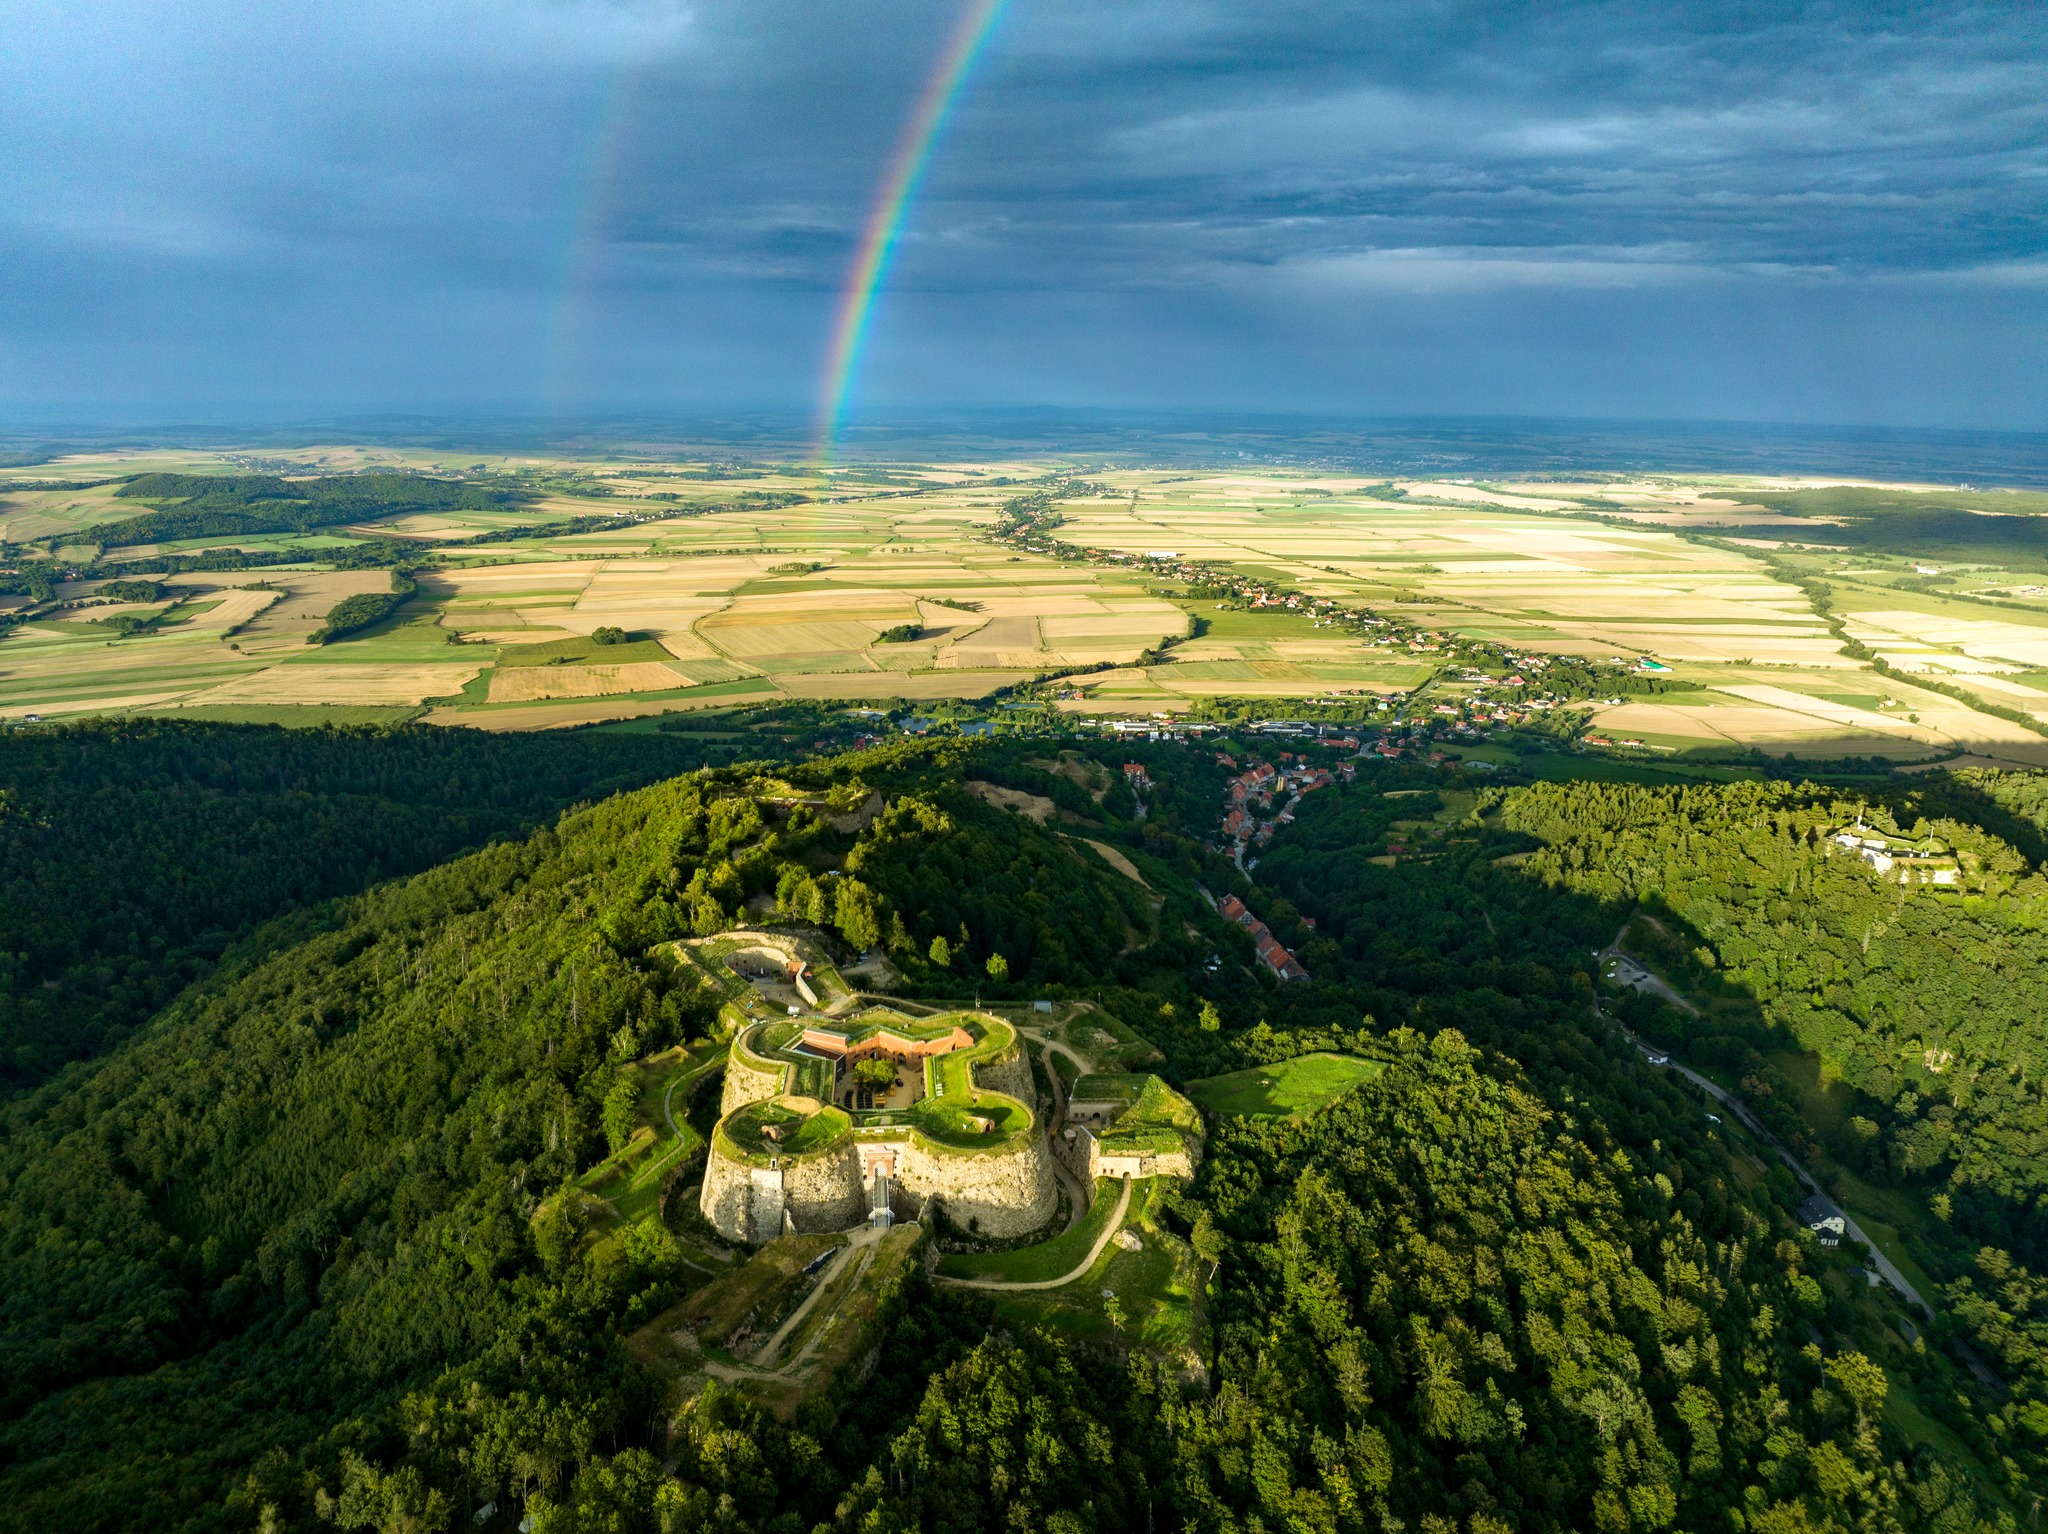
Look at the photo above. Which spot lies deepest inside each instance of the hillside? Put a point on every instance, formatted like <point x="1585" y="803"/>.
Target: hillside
<point x="357" y="1230"/>
<point x="133" y="854"/>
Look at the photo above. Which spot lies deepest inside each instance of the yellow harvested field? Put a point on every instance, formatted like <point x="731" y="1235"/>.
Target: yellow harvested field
<point x="101" y="704"/>
<point x="1010" y="633"/>
<point x="1985" y="639"/>
<point x="749" y="641"/>
<point x="305" y="602"/>
<point x="558" y="716"/>
<point x="1839" y="714"/>
<point x="529" y="684"/>
<point x="363" y="683"/>
<point x="234" y="606"/>
<point x="752" y="605"/>
<point x="1149" y="626"/>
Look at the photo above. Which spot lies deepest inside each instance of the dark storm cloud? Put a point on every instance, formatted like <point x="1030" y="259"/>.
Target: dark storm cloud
<point x="1828" y="209"/>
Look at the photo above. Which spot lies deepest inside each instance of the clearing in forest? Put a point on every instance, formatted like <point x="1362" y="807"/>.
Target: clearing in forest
<point x="1291" y="1089"/>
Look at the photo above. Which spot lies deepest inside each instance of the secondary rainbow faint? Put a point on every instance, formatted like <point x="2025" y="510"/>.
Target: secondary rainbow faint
<point x="885" y="219"/>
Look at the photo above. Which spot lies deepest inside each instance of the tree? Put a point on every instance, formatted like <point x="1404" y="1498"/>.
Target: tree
<point x="1211" y="1018"/>
<point x="998" y="967"/>
<point x="941" y="952"/>
<point x="855" y="916"/>
<point x="621" y="1110"/>
<point x="875" y="1073"/>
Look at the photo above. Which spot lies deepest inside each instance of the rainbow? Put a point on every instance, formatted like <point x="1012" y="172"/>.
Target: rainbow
<point x="885" y="220"/>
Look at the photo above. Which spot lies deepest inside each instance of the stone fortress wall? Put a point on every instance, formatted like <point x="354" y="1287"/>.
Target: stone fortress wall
<point x="1010" y="1075"/>
<point x="1004" y="1191"/>
<point x="752" y="1204"/>
<point x="1147" y="1164"/>
<point x="748" y="1080"/>
<point x="1007" y="1192"/>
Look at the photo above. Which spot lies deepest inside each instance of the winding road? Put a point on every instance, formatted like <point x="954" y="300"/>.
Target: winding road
<point x="1014" y="1285"/>
<point x="1882" y="1265"/>
<point x="1886" y="1268"/>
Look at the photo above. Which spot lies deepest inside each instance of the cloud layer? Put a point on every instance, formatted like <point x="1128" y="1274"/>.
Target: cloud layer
<point x="1828" y="212"/>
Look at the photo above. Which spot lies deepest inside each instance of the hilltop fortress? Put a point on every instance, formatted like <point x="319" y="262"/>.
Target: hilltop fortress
<point x="872" y="1114"/>
<point x="801" y="1147"/>
<point x="838" y="1111"/>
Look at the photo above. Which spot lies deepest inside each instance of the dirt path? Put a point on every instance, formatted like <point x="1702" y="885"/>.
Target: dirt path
<point x="1078" y="1195"/>
<point x="1115" y="859"/>
<point x="863" y="1241"/>
<point x="1116" y="1223"/>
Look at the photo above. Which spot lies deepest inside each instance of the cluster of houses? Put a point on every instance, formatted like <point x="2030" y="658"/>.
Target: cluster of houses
<point x="1254" y="789"/>
<point x="1271" y="952"/>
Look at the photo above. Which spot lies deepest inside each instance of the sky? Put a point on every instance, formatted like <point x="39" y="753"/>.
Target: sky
<point x="1749" y="212"/>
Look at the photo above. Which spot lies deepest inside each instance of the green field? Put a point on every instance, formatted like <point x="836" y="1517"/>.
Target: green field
<point x="1049" y="1259"/>
<point x="1292" y="1089"/>
<point x="1155" y="1288"/>
<point x="746" y="1131"/>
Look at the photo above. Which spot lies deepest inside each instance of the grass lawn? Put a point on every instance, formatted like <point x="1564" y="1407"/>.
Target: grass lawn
<point x="1292" y="1089"/>
<point x="759" y="1288"/>
<point x="1154" y="1288"/>
<point x="630" y="1179"/>
<point x="1048" y="1259"/>
<point x="800" y="1133"/>
<point x="1110" y="1043"/>
<point x="946" y="1119"/>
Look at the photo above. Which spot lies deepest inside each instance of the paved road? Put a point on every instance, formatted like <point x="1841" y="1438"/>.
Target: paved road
<point x="1116" y="1223"/>
<point x="1639" y="976"/>
<point x="1885" y="1268"/>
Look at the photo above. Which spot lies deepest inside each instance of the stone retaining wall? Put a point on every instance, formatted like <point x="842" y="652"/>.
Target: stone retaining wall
<point x="1012" y="1076"/>
<point x="1123" y="1164"/>
<point x="824" y="1191"/>
<point x="728" y="1198"/>
<point x="1008" y="1192"/>
<point x="747" y="1083"/>
<point x="819" y="1192"/>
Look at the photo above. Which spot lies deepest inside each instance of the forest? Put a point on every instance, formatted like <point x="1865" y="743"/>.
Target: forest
<point x="227" y="505"/>
<point x="134" y="854"/>
<point x="2001" y="528"/>
<point x="283" y="1253"/>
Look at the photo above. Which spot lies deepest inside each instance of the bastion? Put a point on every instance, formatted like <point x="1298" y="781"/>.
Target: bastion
<point x="830" y="1121"/>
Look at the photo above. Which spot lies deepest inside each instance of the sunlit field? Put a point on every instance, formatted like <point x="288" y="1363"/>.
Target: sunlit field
<point x="883" y="584"/>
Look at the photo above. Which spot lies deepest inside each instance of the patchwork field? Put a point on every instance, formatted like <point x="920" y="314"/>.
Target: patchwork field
<point x="724" y="597"/>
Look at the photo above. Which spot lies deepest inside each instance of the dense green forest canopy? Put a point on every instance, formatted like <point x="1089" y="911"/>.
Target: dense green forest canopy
<point x="1996" y="527"/>
<point x="1926" y="1001"/>
<point x="225" y="505"/>
<point x="133" y="854"/>
<point x="289" y="1255"/>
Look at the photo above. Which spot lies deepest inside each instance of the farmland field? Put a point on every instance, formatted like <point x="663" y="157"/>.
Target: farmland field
<point x="726" y="597"/>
